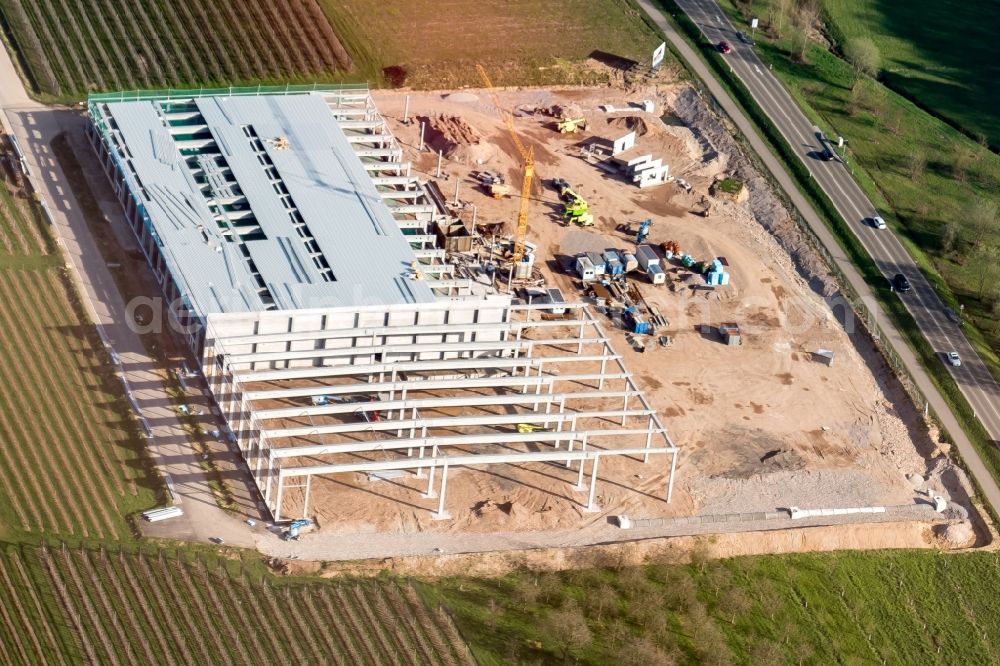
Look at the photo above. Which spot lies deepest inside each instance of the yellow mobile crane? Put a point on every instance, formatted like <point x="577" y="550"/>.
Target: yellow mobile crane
<point x="527" y="155"/>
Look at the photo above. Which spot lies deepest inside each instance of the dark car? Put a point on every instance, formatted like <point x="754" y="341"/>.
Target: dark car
<point x="900" y="283"/>
<point x="827" y="154"/>
<point x="724" y="47"/>
<point x="745" y="38"/>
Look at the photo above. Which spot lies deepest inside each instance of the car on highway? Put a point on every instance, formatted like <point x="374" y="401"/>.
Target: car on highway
<point x="900" y="283"/>
<point x="953" y="358"/>
<point x="827" y="154"/>
<point x="724" y="47"/>
<point x="878" y="222"/>
<point x="745" y="38"/>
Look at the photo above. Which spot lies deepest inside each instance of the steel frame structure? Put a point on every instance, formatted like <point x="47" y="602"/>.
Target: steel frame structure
<point x="320" y="392"/>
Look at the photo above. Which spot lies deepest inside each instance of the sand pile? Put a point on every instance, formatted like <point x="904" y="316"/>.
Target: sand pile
<point x="455" y="139"/>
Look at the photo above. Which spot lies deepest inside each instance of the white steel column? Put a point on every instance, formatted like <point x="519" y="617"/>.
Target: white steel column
<point x="591" y="507"/>
<point x="583" y="461"/>
<point x="624" y="408"/>
<point x="649" y="440"/>
<point x="441" y="513"/>
<point x="430" y="475"/>
<point x="305" y="504"/>
<point x="277" y="502"/>
<point x="670" y="483"/>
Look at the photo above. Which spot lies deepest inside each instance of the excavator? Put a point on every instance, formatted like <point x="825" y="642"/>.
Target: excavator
<point x="643" y="232"/>
<point x="575" y="208"/>
<point x="571" y="125"/>
<point x="528" y="157"/>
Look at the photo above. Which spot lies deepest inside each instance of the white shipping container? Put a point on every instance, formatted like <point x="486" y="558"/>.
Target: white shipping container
<point x="647" y="256"/>
<point x="656" y="274"/>
<point x="585" y="268"/>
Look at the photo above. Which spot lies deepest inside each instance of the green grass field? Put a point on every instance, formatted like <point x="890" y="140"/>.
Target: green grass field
<point x="918" y="198"/>
<point x="904" y="607"/>
<point x="520" y="42"/>
<point x="940" y="53"/>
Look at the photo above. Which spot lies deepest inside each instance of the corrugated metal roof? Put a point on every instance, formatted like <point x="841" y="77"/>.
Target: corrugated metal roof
<point x="352" y="227"/>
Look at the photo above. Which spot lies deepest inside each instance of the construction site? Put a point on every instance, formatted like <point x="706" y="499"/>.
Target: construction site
<point x="495" y="311"/>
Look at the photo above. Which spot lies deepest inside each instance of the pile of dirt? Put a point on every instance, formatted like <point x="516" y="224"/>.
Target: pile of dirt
<point x="629" y="123"/>
<point x="958" y="534"/>
<point x="767" y="209"/>
<point x="486" y="507"/>
<point x="455" y="139"/>
<point x="569" y="110"/>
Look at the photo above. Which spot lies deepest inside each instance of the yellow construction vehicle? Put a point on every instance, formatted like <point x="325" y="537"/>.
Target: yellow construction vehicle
<point x="571" y="125"/>
<point x="530" y="427"/>
<point x="527" y="155"/>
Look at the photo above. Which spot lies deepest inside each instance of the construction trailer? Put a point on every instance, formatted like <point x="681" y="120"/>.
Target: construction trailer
<point x="343" y="343"/>
<point x="730" y="333"/>
<point x="585" y="268"/>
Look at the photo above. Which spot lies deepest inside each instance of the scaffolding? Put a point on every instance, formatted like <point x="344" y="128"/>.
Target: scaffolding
<point x="424" y="389"/>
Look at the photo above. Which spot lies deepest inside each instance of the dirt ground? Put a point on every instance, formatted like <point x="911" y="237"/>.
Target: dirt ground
<point x="761" y="426"/>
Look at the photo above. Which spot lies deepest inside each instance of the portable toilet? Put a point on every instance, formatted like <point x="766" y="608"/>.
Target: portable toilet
<point x="599" y="266"/>
<point x="647" y="256"/>
<point x="630" y="262"/>
<point x="585" y="268"/>
<point x="613" y="263"/>
<point x="656" y="274"/>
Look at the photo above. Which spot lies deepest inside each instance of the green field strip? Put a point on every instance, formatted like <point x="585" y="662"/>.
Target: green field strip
<point x="177" y="55"/>
<point x="158" y="582"/>
<point x="58" y="425"/>
<point x="27" y="445"/>
<point x="127" y="590"/>
<point x="66" y="77"/>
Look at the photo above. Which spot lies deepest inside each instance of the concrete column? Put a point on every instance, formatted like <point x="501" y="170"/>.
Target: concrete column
<point x="624" y="408"/>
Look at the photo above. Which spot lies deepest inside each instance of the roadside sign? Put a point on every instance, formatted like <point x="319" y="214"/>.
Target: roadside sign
<point x="658" y="54"/>
<point x="753" y="23"/>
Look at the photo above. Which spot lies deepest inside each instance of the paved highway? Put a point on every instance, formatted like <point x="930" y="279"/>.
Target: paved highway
<point x="933" y="318"/>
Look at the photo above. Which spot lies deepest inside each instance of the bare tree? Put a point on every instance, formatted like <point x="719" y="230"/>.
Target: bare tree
<point x="983" y="218"/>
<point x="602" y="599"/>
<point x="568" y="628"/>
<point x="986" y="258"/>
<point x="916" y="163"/>
<point x="951" y="236"/>
<point x="805" y="19"/>
<point x="864" y="56"/>
<point x="640" y="651"/>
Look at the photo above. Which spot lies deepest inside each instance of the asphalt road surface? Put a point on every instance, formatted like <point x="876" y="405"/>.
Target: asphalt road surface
<point x="934" y="319"/>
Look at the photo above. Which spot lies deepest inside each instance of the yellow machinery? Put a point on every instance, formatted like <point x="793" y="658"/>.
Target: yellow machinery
<point x="527" y="154"/>
<point x="571" y="125"/>
<point x="530" y="427"/>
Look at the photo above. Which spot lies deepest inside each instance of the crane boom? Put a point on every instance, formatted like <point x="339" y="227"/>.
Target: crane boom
<point x="528" y="157"/>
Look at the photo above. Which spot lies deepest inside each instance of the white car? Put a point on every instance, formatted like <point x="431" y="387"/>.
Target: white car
<point x="954" y="359"/>
<point x="878" y="222"/>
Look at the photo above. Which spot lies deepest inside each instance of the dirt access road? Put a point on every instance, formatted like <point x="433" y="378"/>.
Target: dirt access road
<point x="35" y="126"/>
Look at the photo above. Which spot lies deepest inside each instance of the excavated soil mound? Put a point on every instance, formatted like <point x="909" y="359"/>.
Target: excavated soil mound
<point x="630" y="124"/>
<point x="455" y="139"/>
